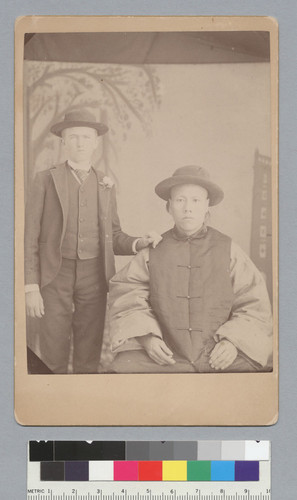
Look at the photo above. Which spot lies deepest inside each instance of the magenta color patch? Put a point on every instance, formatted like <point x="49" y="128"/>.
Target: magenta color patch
<point x="125" y="471"/>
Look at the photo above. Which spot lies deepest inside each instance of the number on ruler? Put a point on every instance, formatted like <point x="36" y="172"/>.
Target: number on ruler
<point x="222" y="495"/>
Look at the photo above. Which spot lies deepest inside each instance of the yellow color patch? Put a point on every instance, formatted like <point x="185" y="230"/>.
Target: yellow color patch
<point x="174" y="470"/>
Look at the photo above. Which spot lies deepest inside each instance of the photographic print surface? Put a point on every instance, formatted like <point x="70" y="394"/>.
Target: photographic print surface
<point x="190" y="111"/>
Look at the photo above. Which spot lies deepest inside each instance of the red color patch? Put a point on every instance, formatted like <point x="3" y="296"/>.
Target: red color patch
<point x="150" y="471"/>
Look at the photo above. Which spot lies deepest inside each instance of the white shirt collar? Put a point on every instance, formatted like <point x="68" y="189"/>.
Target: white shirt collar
<point x="79" y="166"/>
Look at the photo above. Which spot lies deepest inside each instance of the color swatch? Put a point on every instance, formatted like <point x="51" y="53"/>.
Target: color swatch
<point x="167" y="470"/>
<point x="148" y="450"/>
<point x="149" y="461"/>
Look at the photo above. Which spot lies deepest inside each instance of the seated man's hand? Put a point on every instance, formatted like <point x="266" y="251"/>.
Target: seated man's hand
<point x="223" y="355"/>
<point x="151" y="238"/>
<point x="156" y="349"/>
<point x="34" y="304"/>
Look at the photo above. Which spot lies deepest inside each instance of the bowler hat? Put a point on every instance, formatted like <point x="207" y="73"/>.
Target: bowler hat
<point x="79" y="118"/>
<point x="190" y="175"/>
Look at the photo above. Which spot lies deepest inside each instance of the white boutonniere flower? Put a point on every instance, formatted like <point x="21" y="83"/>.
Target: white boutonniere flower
<point x="106" y="182"/>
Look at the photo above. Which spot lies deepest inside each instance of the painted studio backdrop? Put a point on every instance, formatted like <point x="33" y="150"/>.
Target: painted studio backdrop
<point x="169" y="100"/>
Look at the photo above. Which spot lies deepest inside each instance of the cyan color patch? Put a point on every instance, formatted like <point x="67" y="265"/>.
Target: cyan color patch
<point x="222" y="470"/>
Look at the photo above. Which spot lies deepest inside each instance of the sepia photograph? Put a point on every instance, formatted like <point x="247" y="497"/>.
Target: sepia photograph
<point x="146" y="219"/>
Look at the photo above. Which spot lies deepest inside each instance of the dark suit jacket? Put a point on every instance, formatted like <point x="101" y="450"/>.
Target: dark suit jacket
<point x="46" y="216"/>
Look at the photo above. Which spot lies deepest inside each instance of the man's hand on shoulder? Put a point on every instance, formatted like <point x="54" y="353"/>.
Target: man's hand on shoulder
<point x="156" y="349"/>
<point x="223" y="355"/>
<point x="34" y="304"/>
<point x="151" y="238"/>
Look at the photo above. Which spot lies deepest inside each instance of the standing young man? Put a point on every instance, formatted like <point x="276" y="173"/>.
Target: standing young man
<point x="71" y="234"/>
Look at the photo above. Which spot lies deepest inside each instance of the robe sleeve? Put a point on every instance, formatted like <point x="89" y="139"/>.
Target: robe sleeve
<point x="250" y="325"/>
<point x="131" y="315"/>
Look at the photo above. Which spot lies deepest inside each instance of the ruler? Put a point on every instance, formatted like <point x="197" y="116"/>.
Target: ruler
<point x="206" y="492"/>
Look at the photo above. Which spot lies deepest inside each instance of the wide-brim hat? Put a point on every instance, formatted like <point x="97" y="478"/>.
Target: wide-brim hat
<point x="190" y="175"/>
<point x="79" y="118"/>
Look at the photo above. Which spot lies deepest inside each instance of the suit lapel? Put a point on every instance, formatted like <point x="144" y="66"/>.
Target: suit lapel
<point x="59" y="175"/>
<point x="103" y="197"/>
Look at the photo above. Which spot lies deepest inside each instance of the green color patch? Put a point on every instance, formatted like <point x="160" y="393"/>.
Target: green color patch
<point x="199" y="470"/>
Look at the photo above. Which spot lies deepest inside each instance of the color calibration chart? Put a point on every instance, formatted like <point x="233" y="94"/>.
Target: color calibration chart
<point x="149" y="470"/>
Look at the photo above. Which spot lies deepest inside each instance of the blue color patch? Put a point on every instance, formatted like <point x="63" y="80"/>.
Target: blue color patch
<point x="222" y="470"/>
<point x="246" y="470"/>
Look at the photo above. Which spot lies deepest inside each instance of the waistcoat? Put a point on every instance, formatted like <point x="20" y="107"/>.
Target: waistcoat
<point x="190" y="289"/>
<point x="81" y="238"/>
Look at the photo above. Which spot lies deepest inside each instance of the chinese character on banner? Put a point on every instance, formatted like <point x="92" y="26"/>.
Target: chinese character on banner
<point x="261" y="233"/>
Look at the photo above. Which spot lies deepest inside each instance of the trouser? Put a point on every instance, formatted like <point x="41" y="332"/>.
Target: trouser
<point x="75" y="304"/>
<point x="140" y="362"/>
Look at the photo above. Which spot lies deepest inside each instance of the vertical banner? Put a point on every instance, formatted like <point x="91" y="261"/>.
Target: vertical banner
<point x="261" y="234"/>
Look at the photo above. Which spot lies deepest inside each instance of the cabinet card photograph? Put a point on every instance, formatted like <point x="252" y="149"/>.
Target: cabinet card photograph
<point x="146" y="278"/>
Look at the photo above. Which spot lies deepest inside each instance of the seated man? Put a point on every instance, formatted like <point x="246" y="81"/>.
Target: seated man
<point x="196" y="302"/>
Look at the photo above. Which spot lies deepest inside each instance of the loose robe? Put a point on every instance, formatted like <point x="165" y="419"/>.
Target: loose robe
<point x="248" y="324"/>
